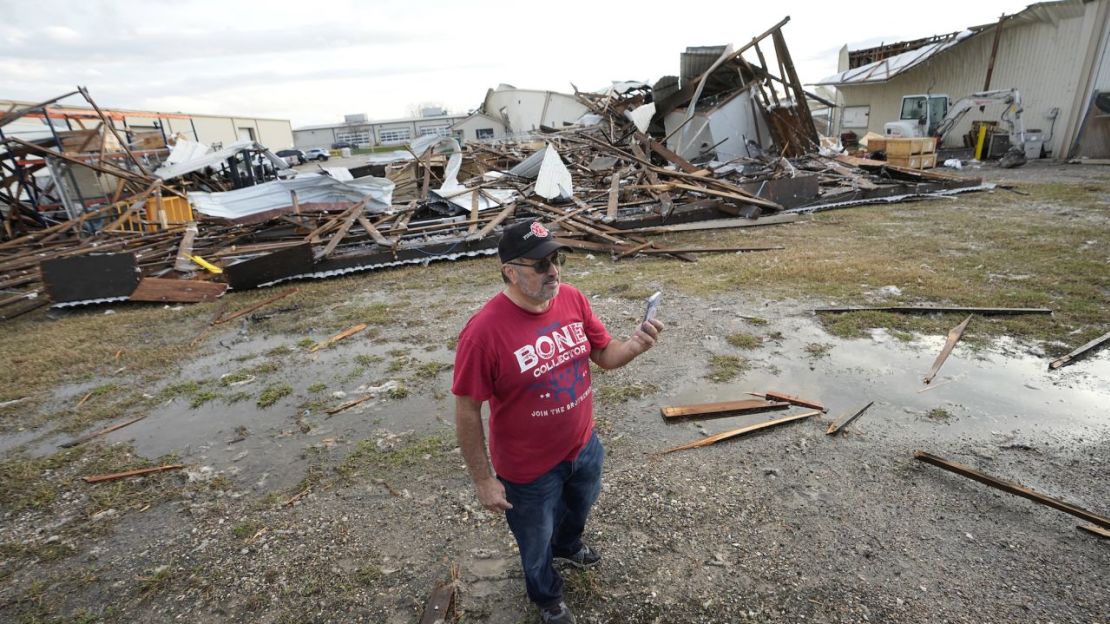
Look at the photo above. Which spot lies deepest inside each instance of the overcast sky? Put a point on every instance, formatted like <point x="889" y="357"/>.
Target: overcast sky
<point x="313" y="62"/>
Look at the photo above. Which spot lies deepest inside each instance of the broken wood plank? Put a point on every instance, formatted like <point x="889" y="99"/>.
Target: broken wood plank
<point x="346" y="333"/>
<point x="297" y="497"/>
<point x="505" y="213"/>
<point x="949" y="344"/>
<point x="177" y="290"/>
<point x="684" y="250"/>
<point x="1012" y="488"/>
<point x="184" y="263"/>
<point x="715" y="224"/>
<point x="97" y="434"/>
<point x="724" y="408"/>
<point x="713" y="439"/>
<point x="771" y="395"/>
<point x="130" y="473"/>
<point x="932" y="309"/>
<point x="348" y="405"/>
<point x="614" y="196"/>
<point x="1081" y="352"/>
<point x="1090" y="528"/>
<point x="836" y="427"/>
<point x="249" y="309"/>
<point x="440" y="607"/>
<point x="373" y="231"/>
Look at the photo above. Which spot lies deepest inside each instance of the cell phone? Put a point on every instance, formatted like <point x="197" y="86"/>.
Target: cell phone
<point x="651" y="306"/>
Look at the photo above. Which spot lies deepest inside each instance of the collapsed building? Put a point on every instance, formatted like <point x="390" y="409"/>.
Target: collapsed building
<point x="729" y="142"/>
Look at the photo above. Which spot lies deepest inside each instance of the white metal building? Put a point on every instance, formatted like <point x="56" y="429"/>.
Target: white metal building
<point x="215" y="130"/>
<point x="525" y="110"/>
<point x="1054" y="53"/>
<point x="358" y="131"/>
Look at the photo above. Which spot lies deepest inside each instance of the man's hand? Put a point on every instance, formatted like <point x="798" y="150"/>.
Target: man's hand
<point x="646" y="335"/>
<point x="491" y="493"/>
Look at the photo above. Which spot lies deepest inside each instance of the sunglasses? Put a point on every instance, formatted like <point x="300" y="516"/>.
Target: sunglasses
<point x="543" y="266"/>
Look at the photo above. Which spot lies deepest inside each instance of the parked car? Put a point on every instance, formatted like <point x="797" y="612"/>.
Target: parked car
<point x="293" y="156"/>
<point x="342" y="144"/>
<point x="318" y="153"/>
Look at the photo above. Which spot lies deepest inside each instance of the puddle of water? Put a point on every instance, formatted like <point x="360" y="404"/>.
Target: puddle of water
<point x="996" y="394"/>
<point x="272" y="454"/>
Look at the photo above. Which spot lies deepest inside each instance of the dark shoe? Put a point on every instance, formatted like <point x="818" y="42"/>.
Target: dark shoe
<point x="586" y="557"/>
<point x="557" y="614"/>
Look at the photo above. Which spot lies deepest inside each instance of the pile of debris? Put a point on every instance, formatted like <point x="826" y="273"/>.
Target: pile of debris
<point x="729" y="143"/>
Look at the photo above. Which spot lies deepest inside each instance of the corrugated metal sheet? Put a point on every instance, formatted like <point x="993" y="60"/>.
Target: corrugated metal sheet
<point x="696" y="59"/>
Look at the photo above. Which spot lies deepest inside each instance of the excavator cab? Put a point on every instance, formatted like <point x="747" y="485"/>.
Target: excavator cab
<point x="927" y="110"/>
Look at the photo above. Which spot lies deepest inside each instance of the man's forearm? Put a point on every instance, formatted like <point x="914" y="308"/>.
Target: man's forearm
<point x="472" y="442"/>
<point x="616" y="354"/>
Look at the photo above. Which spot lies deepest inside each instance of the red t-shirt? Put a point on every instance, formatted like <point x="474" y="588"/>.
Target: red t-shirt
<point x="534" y="369"/>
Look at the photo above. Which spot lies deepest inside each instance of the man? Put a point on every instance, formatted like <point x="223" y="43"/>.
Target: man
<point x="527" y="352"/>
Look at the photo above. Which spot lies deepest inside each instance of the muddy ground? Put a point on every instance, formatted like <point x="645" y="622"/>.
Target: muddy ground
<point x="285" y="513"/>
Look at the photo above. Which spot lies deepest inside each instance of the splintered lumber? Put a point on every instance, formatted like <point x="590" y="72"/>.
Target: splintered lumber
<point x="346" y="333"/>
<point x="248" y="310"/>
<point x="726" y="408"/>
<point x="348" y="405"/>
<point x="97" y="434"/>
<point x="440" y="606"/>
<point x="1090" y="528"/>
<point x="932" y="309"/>
<point x="131" y="473"/>
<point x="836" y="427"/>
<point x="949" y="344"/>
<point x="713" y="439"/>
<point x="1012" y="488"/>
<point x="771" y="395"/>
<point x="667" y="251"/>
<point x="1080" y="353"/>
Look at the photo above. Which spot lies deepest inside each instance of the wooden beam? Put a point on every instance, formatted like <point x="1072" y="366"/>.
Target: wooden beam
<point x="836" y="427"/>
<point x="935" y="309"/>
<point x="726" y="408"/>
<point x="1090" y="528"/>
<point x="1081" y="352"/>
<point x="687" y="250"/>
<point x="771" y="395"/>
<point x="713" y="439"/>
<point x="949" y="343"/>
<point x="346" y="333"/>
<point x="1012" y="488"/>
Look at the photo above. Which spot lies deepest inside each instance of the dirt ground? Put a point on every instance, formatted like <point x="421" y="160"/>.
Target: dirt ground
<point x="286" y="513"/>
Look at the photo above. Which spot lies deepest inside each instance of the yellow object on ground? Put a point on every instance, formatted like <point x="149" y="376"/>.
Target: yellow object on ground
<point x="211" y="268"/>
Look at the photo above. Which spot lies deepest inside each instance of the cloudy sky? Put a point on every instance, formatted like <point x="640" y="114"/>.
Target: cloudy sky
<point x="313" y="62"/>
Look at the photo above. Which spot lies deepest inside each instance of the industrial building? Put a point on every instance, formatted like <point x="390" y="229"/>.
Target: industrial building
<point x="214" y="130"/>
<point x="1054" y="53"/>
<point x="358" y="131"/>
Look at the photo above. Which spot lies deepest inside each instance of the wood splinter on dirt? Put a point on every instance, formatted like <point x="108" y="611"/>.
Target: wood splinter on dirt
<point x="248" y="310"/>
<point x="346" y="333"/>
<point x="836" y="427"/>
<point x="949" y="344"/>
<point x="726" y="408"/>
<point x="770" y="395"/>
<point x="97" y="434"/>
<point x="1013" y="488"/>
<point x="130" y="473"/>
<point x="297" y="497"/>
<point x="440" y="607"/>
<point x="348" y="405"/>
<point x="1090" y="528"/>
<point x="713" y="439"/>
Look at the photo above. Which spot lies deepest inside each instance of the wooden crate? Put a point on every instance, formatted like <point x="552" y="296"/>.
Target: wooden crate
<point x="918" y="161"/>
<point x="901" y="148"/>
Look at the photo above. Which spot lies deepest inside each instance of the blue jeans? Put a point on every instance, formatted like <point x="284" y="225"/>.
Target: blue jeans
<point x="549" y="515"/>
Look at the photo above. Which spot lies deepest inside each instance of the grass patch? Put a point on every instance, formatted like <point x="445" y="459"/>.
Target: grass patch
<point x="306" y="343"/>
<point x="724" y="368"/>
<point x="756" y="320"/>
<point x="743" y="340"/>
<point x="620" y="394"/>
<point x="368" y="459"/>
<point x="202" y="397"/>
<point x="279" y="351"/>
<point x="938" y="413"/>
<point x="817" y="350"/>
<point x="428" y="370"/>
<point x="234" y="378"/>
<point x="318" y="387"/>
<point x="245" y="530"/>
<point x="274" y="393"/>
<point x="364" y="359"/>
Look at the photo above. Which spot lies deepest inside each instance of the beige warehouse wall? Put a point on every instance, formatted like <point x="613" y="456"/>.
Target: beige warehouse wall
<point x="469" y="127"/>
<point x="216" y="130"/>
<point x="1039" y="59"/>
<point x="275" y="134"/>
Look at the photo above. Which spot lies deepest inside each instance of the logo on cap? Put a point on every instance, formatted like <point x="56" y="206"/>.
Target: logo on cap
<point x="539" y="230"/>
